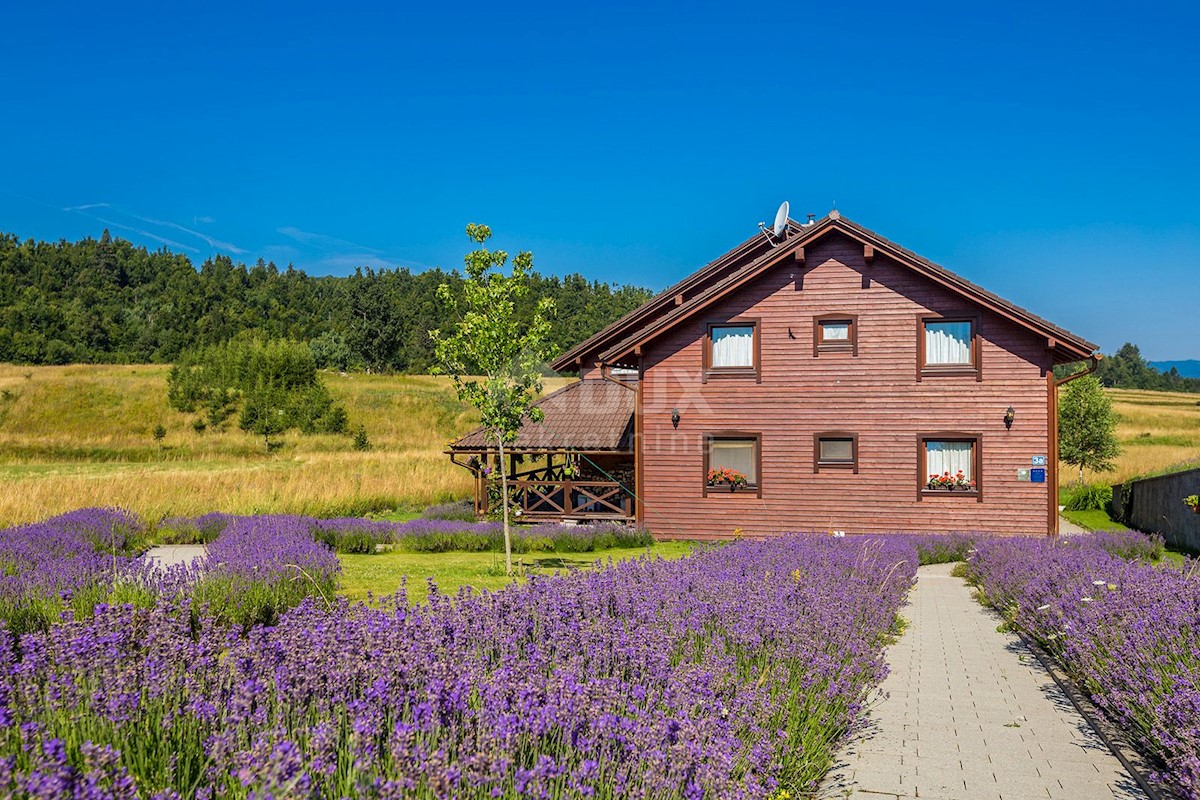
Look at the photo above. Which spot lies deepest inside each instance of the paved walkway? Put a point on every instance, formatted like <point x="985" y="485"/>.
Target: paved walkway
<point x="971" y="715"/>
<point x="168" y="555"/>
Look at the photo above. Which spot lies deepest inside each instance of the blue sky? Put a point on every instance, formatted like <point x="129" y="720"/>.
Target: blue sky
<point x="1048" y="152"/>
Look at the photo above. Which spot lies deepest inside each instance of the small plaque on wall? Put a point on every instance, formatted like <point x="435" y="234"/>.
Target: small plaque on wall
<point x="1037" y="475"/>
<point x="1023" y="475"/>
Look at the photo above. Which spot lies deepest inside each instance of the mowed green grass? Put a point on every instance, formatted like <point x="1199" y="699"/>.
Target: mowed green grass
<point x="382" y="574"/>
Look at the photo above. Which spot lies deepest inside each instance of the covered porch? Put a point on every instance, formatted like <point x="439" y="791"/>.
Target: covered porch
<point x="577" y="464"/>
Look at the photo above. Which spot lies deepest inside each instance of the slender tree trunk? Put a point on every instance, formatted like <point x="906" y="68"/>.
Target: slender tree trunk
<point x="1081" y="474"/>
<point x="504" y="500"/>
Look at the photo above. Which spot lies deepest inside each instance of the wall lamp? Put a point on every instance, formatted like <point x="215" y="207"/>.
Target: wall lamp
<point x="675" y="417"/>
<point x="1009" y="415"/>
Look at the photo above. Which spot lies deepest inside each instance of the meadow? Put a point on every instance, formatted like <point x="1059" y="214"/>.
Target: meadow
<point x="82" y="435"/>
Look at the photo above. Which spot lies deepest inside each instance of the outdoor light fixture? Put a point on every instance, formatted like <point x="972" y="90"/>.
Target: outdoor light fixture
<point x="675" y="417"/>
<point x="1009" y="415"/>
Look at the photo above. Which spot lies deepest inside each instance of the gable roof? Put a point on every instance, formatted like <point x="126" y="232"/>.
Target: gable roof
<point x="585" y="415"/>
<point x="618" y="340"/>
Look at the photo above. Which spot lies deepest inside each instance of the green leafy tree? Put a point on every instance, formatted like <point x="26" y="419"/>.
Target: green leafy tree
<point x="496" y="350"/>
<point x="1087" y="426"/>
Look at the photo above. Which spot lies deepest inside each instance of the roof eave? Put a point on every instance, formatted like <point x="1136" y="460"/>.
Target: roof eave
<point x="1058" y="339"/>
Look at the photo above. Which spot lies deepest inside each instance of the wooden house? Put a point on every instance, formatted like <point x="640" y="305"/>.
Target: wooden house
<point x="831" y="381"/>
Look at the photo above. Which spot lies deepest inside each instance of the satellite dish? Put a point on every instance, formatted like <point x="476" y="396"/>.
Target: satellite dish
<point x="781" y="217"/>
<point x="778" y="231"/>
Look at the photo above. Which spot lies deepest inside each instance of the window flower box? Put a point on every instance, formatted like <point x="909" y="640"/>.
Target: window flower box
<point x="724" y="476"/>
<point x="950" y="482"/>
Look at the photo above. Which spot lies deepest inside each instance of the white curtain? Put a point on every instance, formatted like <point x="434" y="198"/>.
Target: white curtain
<point x="947" y="343"/>
<point x="733" y="346"/>
<point x="942" y="457"/>
<point x="737" y="455"/>
<point x="835" y="331"/>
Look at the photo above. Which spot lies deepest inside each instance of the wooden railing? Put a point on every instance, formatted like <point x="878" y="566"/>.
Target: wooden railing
<point x="569" y="499"/>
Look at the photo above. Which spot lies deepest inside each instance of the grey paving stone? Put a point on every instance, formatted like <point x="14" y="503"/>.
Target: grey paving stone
<point x="968" y="712"/>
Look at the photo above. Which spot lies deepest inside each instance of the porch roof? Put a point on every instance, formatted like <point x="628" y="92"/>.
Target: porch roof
<point x="588" y="415"/>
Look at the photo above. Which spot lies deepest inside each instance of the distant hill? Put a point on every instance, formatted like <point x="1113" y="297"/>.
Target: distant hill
<point x="108" y="301"/>
<point x="1188" y="369"/>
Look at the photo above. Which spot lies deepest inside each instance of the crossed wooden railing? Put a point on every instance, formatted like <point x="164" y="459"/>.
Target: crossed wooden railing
<point x="572" y="499"/>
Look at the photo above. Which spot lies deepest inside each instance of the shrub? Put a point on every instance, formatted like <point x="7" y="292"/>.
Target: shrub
<point x="1089" y="497"/>
<point x="361" y="442"/>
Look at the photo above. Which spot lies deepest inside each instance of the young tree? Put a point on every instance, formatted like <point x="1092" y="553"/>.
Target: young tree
<point x="1086" y="426"/>
<point x="495" y="352"/>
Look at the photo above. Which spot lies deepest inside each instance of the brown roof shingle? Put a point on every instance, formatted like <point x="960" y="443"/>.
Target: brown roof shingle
<point x="586" y="415"/>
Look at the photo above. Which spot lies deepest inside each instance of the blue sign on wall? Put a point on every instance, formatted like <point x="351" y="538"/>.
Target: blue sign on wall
<point x="1037" y="475"/>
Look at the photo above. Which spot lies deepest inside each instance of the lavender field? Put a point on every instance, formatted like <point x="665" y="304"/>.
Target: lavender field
<point x="731" y="673"/>
<point x="734" y="672"/>
<point x="1126" y="630"/>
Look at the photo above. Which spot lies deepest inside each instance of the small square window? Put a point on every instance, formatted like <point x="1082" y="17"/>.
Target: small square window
<point x="835" y="333"/>
<point x="835" y="451"/>
<point x="732" y="462"/>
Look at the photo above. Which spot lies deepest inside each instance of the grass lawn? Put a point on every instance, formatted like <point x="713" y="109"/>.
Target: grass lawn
<point x="1094" y="520"/>
<point x="381" y="574"/>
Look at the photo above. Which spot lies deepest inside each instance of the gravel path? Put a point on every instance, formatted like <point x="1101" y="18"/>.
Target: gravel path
<point x="970" y="713"/>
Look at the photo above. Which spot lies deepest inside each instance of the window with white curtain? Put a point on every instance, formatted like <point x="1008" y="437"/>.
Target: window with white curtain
<point x="732" y="346"/>
<point x="951" y="457"/>
<point x="948" y="343"/>
<point x="739" y="454"/>
<point x="943" y="458"/>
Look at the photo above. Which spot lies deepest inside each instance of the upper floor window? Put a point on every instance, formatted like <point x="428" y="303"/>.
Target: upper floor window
<point x="948" y="346"/>
<point x="835" y="333"/>
<point x="732" y="348"/>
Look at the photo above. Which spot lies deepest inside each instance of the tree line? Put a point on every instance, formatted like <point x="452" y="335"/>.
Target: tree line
<point x="1127" y="369"/>
<point x="108" y="301"/>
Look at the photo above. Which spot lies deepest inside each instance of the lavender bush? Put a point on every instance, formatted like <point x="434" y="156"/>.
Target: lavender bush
<point x="732" y="673"/>
<point x="255" y="568"/>
<point x="425" y="535"/>
<point x="70" y="561"/>
<point x="1127" y="631"/>
<point x="258" y="567"/>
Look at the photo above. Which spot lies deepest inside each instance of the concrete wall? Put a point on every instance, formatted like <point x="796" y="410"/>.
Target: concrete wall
<point x="1155" y="505"/>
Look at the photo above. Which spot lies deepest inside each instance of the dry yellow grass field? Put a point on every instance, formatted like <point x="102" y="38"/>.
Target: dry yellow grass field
<point x="1157" y="431"/>
<point x="83" y="436"/>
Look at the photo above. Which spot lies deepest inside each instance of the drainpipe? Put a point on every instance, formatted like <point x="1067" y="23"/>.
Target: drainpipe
<point x="1095" y="362"/>
<point x="604" y="374"/>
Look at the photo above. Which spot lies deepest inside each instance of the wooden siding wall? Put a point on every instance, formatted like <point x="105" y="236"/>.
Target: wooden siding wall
<point x="874" y="394"/>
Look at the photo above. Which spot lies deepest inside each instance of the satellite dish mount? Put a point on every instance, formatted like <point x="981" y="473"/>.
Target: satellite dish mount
<point x="777" y="233"/>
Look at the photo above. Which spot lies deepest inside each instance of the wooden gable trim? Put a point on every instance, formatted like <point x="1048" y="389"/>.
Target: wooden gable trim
<point x="672" y="296"/>
<point x="789" y="248"/>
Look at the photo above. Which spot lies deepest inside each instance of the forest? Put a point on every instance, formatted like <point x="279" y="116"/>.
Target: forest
<point x="108" y="301"/>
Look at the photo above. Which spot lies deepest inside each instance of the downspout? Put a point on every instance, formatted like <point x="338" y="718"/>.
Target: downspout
<point x="637" y="434"/>
<point x="1094" y="358"/>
